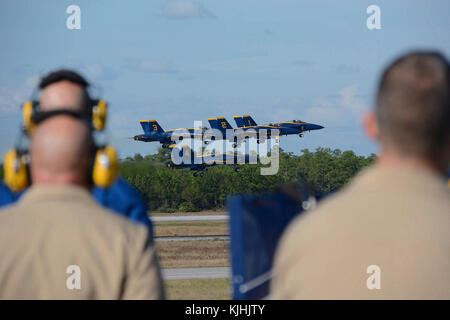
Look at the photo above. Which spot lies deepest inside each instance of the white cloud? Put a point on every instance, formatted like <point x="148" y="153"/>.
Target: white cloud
<point x="97" y="71"/>
<point x="350" y="101"/>
<point x="12" y="98"/>
<point x="346" y="107"/>
<point x="93" y="71"/>
<point x="32" y="81"/>
<point x="186" y="9"/>
<point x="323" y="110"/>
<point x="157" y="67"/>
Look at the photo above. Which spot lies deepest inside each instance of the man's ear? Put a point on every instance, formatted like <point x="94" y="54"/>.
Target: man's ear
<point x="370" y="125"/>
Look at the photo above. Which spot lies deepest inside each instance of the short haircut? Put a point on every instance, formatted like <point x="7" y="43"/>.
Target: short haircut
<point x="71" y="76"/>
<point x="413" y="104"/>
<point x="61" y="75"/>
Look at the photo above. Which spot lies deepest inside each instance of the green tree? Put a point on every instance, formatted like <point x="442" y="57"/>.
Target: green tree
<point x="166" y="189"/>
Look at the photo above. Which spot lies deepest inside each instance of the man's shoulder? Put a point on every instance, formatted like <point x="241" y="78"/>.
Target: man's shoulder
<point x="327" y="210"/>
<point x="373" y="197"/>
<point x="328" y="216"/>
<point x="108" y="219"/>
<point x="69" y="204"/>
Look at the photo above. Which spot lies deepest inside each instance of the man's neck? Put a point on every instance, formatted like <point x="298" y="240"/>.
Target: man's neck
<point x="43" y="178"/>
<point x="392" y="161"/>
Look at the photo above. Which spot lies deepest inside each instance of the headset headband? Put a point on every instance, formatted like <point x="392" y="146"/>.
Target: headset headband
<point x="40" y="116"/>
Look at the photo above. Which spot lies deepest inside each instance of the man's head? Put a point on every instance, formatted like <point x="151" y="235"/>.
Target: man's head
<point x="60" y="151"/>
<point x="412" y="114"/>
<point x="64" y="89"/>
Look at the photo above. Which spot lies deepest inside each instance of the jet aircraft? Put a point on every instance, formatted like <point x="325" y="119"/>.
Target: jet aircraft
<point x="246" y="124"/>
<point x="199" y="163"/>
<point x="221" y="124"/>
<point x="286" y="128"/>
<point x="154" y="132"/>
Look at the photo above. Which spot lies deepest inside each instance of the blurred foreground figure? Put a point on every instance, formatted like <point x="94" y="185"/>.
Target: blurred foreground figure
<point x="57" y="243"/>
<point x="67" y="90"/>
<point x="387" y="234"/>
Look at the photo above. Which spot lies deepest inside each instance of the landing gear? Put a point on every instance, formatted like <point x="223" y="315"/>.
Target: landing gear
<point x="198" y="174"/>
<point x="300" y="135"/>
<point x="165" y="145"/>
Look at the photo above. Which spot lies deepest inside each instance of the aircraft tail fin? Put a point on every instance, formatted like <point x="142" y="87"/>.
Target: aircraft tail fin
<point x="154" y="126"/>
<point x="213" y="123"/>
<point x="248" y="121"/>
<point x="145" y="126"/>
<point x="239" y="121"/>
<point x="223" y="124"/>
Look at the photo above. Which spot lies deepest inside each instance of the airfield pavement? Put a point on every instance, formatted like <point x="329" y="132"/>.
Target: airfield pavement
<point x="189" y="218"/>
<point x="194" y="254"/>
<point x="196" y="273"/>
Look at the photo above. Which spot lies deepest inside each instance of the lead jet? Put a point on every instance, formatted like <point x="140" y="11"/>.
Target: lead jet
<point x="286" y="128"/>
<point x="154" y="132"/>
<point x="200" y="163"/>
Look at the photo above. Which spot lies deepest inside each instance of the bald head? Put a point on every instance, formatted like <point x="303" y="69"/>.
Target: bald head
<point x="63" y="95"/>
<point x="60" y="149"/>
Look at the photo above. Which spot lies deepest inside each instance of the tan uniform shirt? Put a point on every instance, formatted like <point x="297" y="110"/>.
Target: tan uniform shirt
<point x="396" y="220"/>
<point x="57" y="235"/>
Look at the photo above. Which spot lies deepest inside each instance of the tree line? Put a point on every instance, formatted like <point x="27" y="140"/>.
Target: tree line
<point x="170" y="190"/>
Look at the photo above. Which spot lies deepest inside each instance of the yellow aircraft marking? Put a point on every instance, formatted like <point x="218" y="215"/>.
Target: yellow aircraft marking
<point x="186" y="129"/>
<point x="291" y="122"/>
<point x="258" y="126"/>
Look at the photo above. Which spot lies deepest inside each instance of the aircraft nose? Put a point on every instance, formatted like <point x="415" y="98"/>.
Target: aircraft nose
<point x="315" y="127"/>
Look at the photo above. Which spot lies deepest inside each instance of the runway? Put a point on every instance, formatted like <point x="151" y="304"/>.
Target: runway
<point x="189" y="218"/>
<point x="191" y="238"/>
<point x="193" y="273"/>
<point x="196" y="273"/>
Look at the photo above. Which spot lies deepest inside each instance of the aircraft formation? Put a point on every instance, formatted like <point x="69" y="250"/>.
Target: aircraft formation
<point x="245" y="128"/>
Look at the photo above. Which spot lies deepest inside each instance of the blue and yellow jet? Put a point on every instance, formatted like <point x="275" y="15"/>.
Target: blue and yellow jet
<point x="245" y="124"/>
<point x="154" y="132"/>
<point x="199" y="163"/>
<point x="286" y="128"/>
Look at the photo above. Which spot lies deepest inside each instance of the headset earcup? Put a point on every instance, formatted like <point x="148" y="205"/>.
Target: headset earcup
<point x="16" y="171"/>
<point x="99" y="115"/>
<point x="27" y="116"/>
<point x="104" y="170"/>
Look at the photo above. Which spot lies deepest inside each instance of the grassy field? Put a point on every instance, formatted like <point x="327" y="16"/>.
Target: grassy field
<point x="198" y="289"/>
<point x="191" y="254"/>
<point x="190" y="228"/>
<point x="178" y="214"/>
<point x="197" y="253"/>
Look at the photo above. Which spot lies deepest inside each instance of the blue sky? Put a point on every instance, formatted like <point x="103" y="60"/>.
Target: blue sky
<point x="184" y="60"/>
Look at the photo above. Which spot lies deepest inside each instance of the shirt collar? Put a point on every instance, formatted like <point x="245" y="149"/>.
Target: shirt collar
<point x="64" y="192"/>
